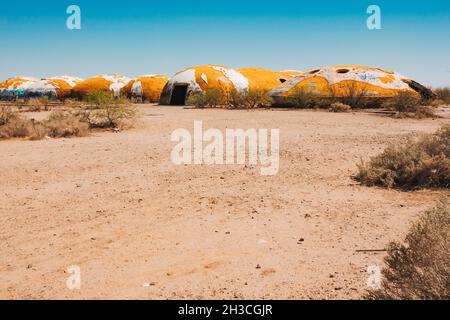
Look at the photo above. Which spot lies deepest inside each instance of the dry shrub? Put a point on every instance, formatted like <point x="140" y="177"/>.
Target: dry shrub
<point x="408" y="105"/>
<point x="38" y="103"/>
<point x="59" y="124"/>
<point x="403" y="102"/>
<point x="351" y="93"/>
<point x="20" y="127"/>
<point x="34" y="104"/>
<point x="425" y="112"/>
<point x="208" y="98"/>
<point x="71" y="102"/>
<point x="6" y="115"/>
<point x="437" y="103"/>
<point x="443" y="94"/>
<point x="249" y="99"/>
<point x="424" y="163"/>
<point x="420" y="267"/>
<point x="107" y="111"/>
<point x="302" y="98"/>
<point x="62" y="124"/>
<point x="340" y="107"/>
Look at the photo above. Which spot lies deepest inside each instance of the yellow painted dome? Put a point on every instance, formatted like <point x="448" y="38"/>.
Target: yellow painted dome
<point x="57" y="87"/>
<point x="263" y="79"/>
<point x="107" y="83"/>
<point x="147" y="87"/>
<point x="336" y="81"/>
<point x="291" y="73"/>
<point x="63" y="84"/>
<point x="200" y="78"/>
<point x="15" y="82"/>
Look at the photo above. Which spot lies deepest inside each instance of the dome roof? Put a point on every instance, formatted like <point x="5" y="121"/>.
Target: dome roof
<point x="63" y="84"/>
<point x="263" y="79"/>
<point x="147" y="87"/>
<point x="15" y="82"/>
<point x="336" y="81"/>
<point x="199" y="78"/>
<point x="104" y="82"/>
<point x="29" y="86"/>
<point x="291" y="73"/>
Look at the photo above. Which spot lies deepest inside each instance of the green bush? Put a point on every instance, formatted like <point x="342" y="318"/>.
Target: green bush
<point x="424" y="163"/>
<point x="249" y="99"/>
<point x="207" y="98"/>
<point x="106" y="111"/>
<point x="420" y="267"/>
<point x="99" y="98"/>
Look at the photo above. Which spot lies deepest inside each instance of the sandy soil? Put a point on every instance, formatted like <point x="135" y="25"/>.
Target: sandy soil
<point x="141" y="227"/>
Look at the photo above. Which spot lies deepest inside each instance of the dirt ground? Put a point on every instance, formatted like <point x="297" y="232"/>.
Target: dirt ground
<point x="141" y="227"/>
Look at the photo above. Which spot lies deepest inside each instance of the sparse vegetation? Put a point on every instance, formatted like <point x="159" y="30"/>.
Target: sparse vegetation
<point x="37" y="104"/>
<point x="443" y="94"/>
<point x="6" y="115"/>
<point x="13" y="125"/>
<point x="302" y="98"/>
<point x="424" y="163"/>
<point x="408" y="105"/>
<point x="101" y="110"/>
<point x="106" y="111"/>
<point x="340" y="107"/>
<point x="208" y="98"/>
<point x="351" y="93"/>
<point x="249" y="99"/>
<point x="420" y="267"/>
<point x="62" y="124"/>
<point x="403" y="102"/>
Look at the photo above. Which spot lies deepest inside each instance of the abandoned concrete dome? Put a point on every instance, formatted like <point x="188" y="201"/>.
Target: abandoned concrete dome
<point x="107" y="83"/>
<point x="340" y="81"/>
<point x="63" y="84"/>
<point x="197" y="79"/>
<point x="262" y="79"/>
<point x="145" y="88"/>
<point x="54" y="87"/>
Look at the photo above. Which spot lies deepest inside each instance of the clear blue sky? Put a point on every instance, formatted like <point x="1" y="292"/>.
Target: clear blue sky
<point x="136" y="37"/>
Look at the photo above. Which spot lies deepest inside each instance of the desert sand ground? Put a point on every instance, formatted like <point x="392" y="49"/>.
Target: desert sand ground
<point x="141" y="227"/>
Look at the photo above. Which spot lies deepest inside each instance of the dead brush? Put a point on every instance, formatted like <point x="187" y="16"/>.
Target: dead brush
<point x="443" y="94"/>
<point x="6" y="115"/>
<point x="419" y="268"/>
<point x="302" y="98"/>
<point x="340" y="107"/>
<point x="62" y="124"/>
<point x="210" y="98"/>
<point x="249" y="99"/>
<point x="423" y="163"/>
<point x="58" y="124"/>
<point x="409" y="105"/>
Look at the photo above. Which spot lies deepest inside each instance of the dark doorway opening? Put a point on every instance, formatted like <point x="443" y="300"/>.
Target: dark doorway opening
<point x="178" y="97"/>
